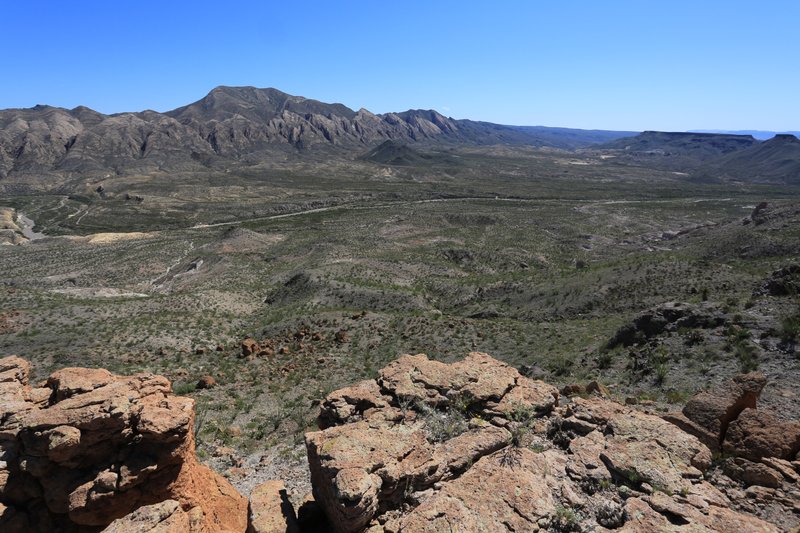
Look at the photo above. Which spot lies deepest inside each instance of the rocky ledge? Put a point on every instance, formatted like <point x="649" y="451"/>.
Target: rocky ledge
<point x="475" y="446"/>
<point x="89" y="450"/>
<point x="426" y="446"/>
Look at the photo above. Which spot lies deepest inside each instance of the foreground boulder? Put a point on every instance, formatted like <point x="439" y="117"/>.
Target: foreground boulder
<point x="726" y="418"/>
<point x="708" y="414"/>
<point x="91" y="447"/>
<point x="758" y="434"/>
<point x="270" y="510"/>
<point x="164" y="517"/>
<point x="475" y="446"/>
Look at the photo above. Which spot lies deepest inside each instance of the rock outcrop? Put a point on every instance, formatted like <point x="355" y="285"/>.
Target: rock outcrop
<point x="668" y="317"/>
<point x="726" y="420"/>
<point x="475" y="446"/>
<point x="270" y="510"/>
<point x="426" y="446"/>
<point x="708" y="414"/>
<point x="91" y="447"/>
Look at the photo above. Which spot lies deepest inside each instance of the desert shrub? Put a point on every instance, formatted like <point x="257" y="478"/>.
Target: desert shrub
<point x="662" y="370"/>
<point x="521" y="417"/>
<point x="604" y="360"/>
<point x="790" y="327"/>
<point x="677" y="396"/>
<point x="561" y="366"/>
<point x="565" y="520"/>
<point x="442" y="424"/>
<point x="693" y="337"/>
<point x="182" y="389"/>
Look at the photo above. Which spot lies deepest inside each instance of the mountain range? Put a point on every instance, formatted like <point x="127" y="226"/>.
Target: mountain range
<point x="236" y="124"/>
<point x="243" y="126"/>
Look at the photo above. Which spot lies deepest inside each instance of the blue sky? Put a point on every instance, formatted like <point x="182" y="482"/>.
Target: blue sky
<point x="672" y="65"/>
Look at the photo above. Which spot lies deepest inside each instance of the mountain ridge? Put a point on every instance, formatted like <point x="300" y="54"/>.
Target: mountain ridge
<point x="241" y="125"/>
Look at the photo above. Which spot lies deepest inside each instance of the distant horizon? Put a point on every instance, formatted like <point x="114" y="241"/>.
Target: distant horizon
<point x="621" y="65"/>
<point x="757" y="133"/>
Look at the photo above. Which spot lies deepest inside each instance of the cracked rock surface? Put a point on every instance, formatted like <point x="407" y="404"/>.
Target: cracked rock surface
<point x="475" y="446"/>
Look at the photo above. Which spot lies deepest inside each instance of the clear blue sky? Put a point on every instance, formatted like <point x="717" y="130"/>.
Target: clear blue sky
<point x="669" y="65"/>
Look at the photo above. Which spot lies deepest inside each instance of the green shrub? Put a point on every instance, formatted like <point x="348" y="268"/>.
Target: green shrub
<point x="182" y="389"/>
<point x="442" y="425"/>
<point x="565" y="520"/>
<point x="521" y="417"/>
<point x="790" y="327"/>
<point x="746" y="354"/>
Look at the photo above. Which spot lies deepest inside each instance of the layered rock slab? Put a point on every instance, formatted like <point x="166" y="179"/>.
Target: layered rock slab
<point x="513" y="456"/>
<point x="91" y="447"/>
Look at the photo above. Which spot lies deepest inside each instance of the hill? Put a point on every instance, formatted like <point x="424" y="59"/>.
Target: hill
<point x="392" y="153"/>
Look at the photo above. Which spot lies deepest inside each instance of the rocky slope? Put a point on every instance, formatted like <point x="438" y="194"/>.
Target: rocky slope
<point x="232" y="125"/>
<point x="426" y="446"/>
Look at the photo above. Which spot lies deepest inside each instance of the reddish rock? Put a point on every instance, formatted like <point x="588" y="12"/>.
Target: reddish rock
<point x="478" y="378"/>
<point x="708" y="414"/>
<point x="659" y="512"/>
<point x="249" y="347"/>
<point x="351" y="403"/>
<point x="782" y="466"/>
<point x="756" y="434"/>
<point x="499" y="493"/>
<point x="270" y="510"/>
<point x="206" y="382"/>
<point x="475" y="446"/>
<point x="752" y="473"/>
<point x="163" y="517"/>
<point x="100" y="446"/>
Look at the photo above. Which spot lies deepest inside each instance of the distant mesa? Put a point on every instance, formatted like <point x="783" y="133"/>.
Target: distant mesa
<point x="715" y="157"/>
<point x="695" y="145"/>
<point x="775" y="161"/>
<point x="761" y="135"/>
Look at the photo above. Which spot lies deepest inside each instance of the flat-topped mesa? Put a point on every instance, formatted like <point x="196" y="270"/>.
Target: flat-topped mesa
<point x="91" y="447"/>
<point x="427" y="446"/>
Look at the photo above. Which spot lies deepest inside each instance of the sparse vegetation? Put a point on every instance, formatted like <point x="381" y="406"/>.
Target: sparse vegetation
<point x="522" y="276"/>
<point x="565" y="520"/>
